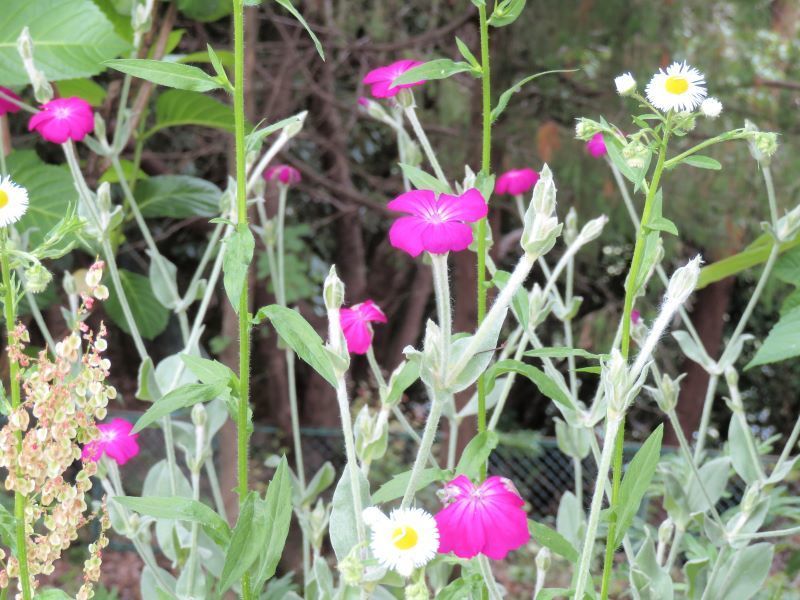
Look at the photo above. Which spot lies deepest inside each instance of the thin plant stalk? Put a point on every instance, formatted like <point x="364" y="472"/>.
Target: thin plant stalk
<point x="411" y="114"/>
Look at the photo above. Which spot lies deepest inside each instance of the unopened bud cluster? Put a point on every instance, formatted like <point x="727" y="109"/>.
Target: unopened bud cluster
<point x="541" y="223"/>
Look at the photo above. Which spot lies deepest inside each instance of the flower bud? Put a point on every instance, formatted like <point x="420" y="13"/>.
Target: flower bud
<point x="543" y="559"/>
<point x="616" y="384"/>
<point x="318" y="523"/>
<point x="296" y="126"/>
<point x="683" y="281"/>
<point x="104" y="197"/>
<point x="763" y="144"/>
<point x="625" y="84"/>
<point x="635" y="154"/>
<point x="351" y="567"/>
<point x="683" y="123"/>
<point x="25" y="45"/>
<point x="417" y="590"/>
<point x="199" y="415"/>
<point x="592" y="230"/>
<point x="585" y="129"/>
<point x="667" y="393"/>
<point x="333" y="290"/>
<point x="665" y="531"/>
<point x="539" y="306"/>
<point x="37" y="277"/>
<point x="541" y="224"/>
<point x="571" y="225"/>
<point x="405" y="98"/>
<point x="751" y="498"/>
<point x="788" y="225"/>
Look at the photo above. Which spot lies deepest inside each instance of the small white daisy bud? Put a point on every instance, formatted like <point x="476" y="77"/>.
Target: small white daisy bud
<point x="333" y="290"/>
<point x="626" y="84"/>
<point x="711" y="108"/>
<point x="683" y="281"/>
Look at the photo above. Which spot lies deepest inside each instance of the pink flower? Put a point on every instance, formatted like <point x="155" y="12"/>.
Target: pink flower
<point x="284" y="173"/>
<point x="382" y="78"/>
<point x="636" y="316"/>
<point x="516" y="182"/>
<point x="63" y="119"/>
<point x="438" y="225"/>
<point x="5" y="105"/>
<point x="596" y="146"/>
<point x="356" y="325"/>
<point x="115" y="441"/>
<point x="486" y="519"/>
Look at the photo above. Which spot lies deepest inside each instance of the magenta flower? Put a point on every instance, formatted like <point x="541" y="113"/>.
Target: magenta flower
<point x="382" y="78"/>
<point x="5" y="105"/>
<point x="284" y="173"/>
<point x="596" y="146"/>
<point x="115" y="441"/>
<point x="636" y="316"/>
<point x="486" y="519"/>
<point x="356" y="325"/>
<point x="438" y="225"/>
<point x="516" y="182"/>
<point x="63" y="119"/>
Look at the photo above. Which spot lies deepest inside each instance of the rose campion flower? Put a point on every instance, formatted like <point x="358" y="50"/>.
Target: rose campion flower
<point x="436" y="224"/>
<point x="63" y="119"/>
<point x="115" y="441"/>
<point x="382" y="78"/>
<point x="481" y="519"/>
<point x="5" y="105"/>
<point x="516" y="182"/>
<point x="596" y="146"/>
<point x="284" y="174"/>
<point x="356" y="325"/>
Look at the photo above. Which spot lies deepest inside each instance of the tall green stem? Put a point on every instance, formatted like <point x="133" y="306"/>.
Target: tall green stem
<point x="244" y="304"/>
<point x="9" y="307"/>
<point x="486" y="158"/>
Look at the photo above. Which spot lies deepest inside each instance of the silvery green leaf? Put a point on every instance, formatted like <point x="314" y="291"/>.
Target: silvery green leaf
<point x="150" y="584"/>
<point x="647" y="576"/>
<point x="166" y="371"/>
<point x="714" y="477"/>
<point x="733" y="351"/>
<point x="479" y="361"/>
<point x="692" y="351"/>
<point x="147" y="386"/>
<point x="321" y="481"/>
<point x="238" y="255"/>
<point x="570" y="519"/>
<point x="572" y="440"/>
<point x="158" y="483"/>
<point x="780" y="473"/>
<point x="163" y="277"/>
<point x="743" y="575"/>
<point x="713" y="531"/>
<point x="400" y="380"/>
<point x="692" y="569"/>
<point x="471" y="407"/>
<point x="343" y="521"/>
<point x="742" y="459"/>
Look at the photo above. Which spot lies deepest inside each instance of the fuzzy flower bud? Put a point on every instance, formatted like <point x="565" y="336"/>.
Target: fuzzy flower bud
<point x="751" y="498"/>
<point x="788" y="225"/>
<point x="543" y="559"/>
<point x="541" y="224"/>
<point x="199" y="415"/>
<point x="585" y="129"/>
<point x="296" y="126"/>
<point x="665" y="531"/>
<point x="684" y="122"/>
<point x="625" y="84"/>
<point x="42" y="89"/>
<point x="571" y="226"/>
<point x="683" y="281"/>
<point x="37" y="278"/>
<point x="635" y="153"/>
<point x="711" y="108"/>
<point x="667" y="392"/>
<point x="539" y="306"/>
<point x="417" y="590"/>
<point x="616" y="384"/>
<point x="592" y="230"/>
<point x="333" y="290"/>
<point x="763" y="144"/>
<point x="352" y="568"/>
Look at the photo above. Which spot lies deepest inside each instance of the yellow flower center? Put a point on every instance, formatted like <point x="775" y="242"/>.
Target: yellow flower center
<point x="3" y="199"/>
<point x="676" y="84"/>
<point x="404" y="538"/>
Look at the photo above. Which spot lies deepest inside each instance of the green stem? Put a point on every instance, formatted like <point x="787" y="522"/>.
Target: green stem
<point x="244" y="304"/>
<point x="486" y="158"/>
<point x="9" y="307"/>
<point x="730" y="135"/>
<point x="428" y="437"/>
<point x="441" y="286"/>
<point x="411" y="113"/>
<point x="216" y="492"/>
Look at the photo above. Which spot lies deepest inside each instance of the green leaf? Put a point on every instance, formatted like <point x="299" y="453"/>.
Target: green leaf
<point x="396" y="486"/>
<point x="205" y="10"/>
<point x="702" y="162"/>
<point x="322" y="480"/>
<point x="226" y="57"/>
<point x="87" y="89"/>
<point x="177" y="197"/>
<point x="441" y="68"/>
<point x="505" y="97"/>
<point x="287" y="4"/>
<point x="476" y="454"/>
<point x="300" y="337"/>
<point x="52" y="594"/>
<point x="254" y="140"/>
<point x="657" y="221"/>
<point x="71" y="39"/>
<point x="8" y="529"/>
<point x="401" y="379"/>
<point x="239" y="249"/>
<point x="182" y="397"/>
<point x="545" y="536"/>
<point x="246" y="543"/>
<point x="563" y="352"/>
<point x="180" y="509"/>
<point x="50" y="191"/>
<point x="466" y="53"/>
<point x="169" y="74"/>
<point x="150" y="315"/>
<point x="755" y="254"/>
<point x="783" y="341"/>
<point x="506" y="12"/>
<point x="744" y="574"/>
<point x="342" y="528"/>
<point x="277" y="507"/>
<point x="636" y="481"/>
<point x="147" y="386"/>
<point x="424" y="181"/>
<point x="129" y="171"/>
<point x="787" y="267"/>
<point x="738" y="446"/>
<point x="175" y="108"/>
<point x="543" y="382"/>
<point x="210" y="372"/>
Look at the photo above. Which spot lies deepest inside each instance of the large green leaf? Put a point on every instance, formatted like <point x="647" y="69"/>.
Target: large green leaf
<point x="277" y="506"/>
<point x="238" y="256"/>
<point x="178" y="197"/>
<point x="343" y="520"/>
<point x="545" y="536"/>
<point x="174" y="75"/>
<point x="246" y="541"/>
<point x="181" y="107"/>
<point x="182" y="397"/>
<point x="782" y="342"/>
<point x="755" y="254"/>
<point x="150" y="315"/>
<point x="544" y="382"/>
<point x="71" y="39"/>
<point x="50" y="190"/>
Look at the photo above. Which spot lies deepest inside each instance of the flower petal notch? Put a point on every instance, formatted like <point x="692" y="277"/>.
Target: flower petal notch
<point x="115" y="441"/>
<point x="405" y="540"/>
<point x="436" y="224"/>
<point x="680" y="88"/>
<point x="356" y="325"/>
<point x="483" y="519"/>
<point x="63" y="119"/>
<point x="516" y="182"/>
<point x="381" y="80"/>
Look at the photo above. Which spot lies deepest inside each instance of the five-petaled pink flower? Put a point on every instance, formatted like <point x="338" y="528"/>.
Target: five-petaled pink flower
<point x="484" y="519"/>
<point x="356" y="325"/>
<point x="116" y="441"/>
<point x="63" y="119"/>
<point x="516" y="182"/>
<point x="5" y="105"/>
<point x="436" y="224"/>
<point x="596" y="146"/>
<point x="382" y="78"/>
<point x="284" y="173"/>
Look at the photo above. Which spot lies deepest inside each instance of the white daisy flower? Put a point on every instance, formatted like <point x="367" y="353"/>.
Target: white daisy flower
<point x="680" y="88"/>
<point x="13" y="202"/>
<point x="711" y="108"/>
<point x="626" y="84"/>
<point x="405" y="540"/>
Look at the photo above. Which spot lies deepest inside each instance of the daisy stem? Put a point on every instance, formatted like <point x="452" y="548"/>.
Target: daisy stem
<point x="486" y="157"/>
<point x="9" y="309"/>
